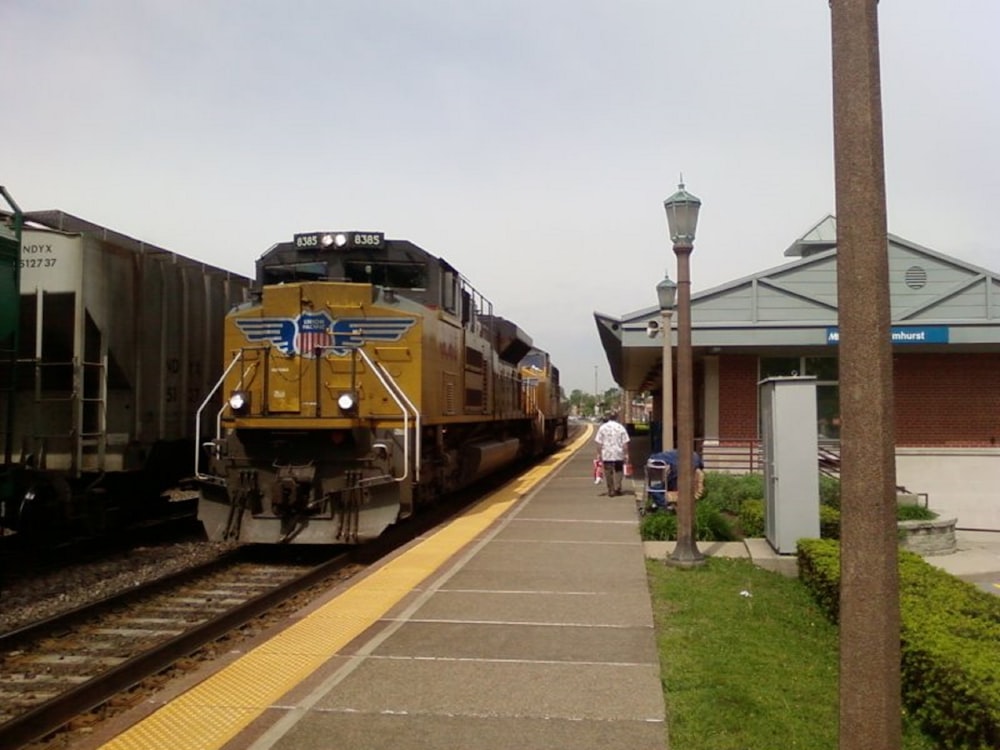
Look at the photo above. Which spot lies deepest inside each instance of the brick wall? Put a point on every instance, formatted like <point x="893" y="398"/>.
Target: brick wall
<point x="737" y="397"/>
<point x="947" y="400"/>
<point x="942" y="400"/>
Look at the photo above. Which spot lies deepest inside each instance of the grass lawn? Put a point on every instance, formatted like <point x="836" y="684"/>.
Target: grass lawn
<point x="749" y="662"/>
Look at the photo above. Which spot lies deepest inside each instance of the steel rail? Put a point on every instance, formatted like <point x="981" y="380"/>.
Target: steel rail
<point x="50" y="716"/>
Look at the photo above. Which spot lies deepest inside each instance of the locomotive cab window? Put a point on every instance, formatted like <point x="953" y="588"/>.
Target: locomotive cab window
<point x="534" y="359"/>
<point x="289" y="272"/>
<point x="395" y="275"/>
<point x="449" y="291"/>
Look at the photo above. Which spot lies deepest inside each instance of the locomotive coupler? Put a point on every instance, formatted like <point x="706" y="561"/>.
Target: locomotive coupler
<point x="293" y="490"/>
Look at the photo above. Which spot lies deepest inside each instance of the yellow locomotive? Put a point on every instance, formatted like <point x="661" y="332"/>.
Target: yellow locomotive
<point x="366" y="378"/>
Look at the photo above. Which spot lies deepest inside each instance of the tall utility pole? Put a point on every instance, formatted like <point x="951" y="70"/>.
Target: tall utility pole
<point x="597" y="396"/>
<point x="870" y="697"/>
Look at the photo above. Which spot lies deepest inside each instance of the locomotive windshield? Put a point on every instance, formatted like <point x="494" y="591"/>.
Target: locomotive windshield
<point x="397" y="264"/>
<point x="288" y="272"/>
<point x="396" y="275"/>
<point x="534" y="359"/>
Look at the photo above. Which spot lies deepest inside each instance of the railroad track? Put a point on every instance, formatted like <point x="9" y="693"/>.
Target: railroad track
<point x="54" y="670"/>
<point x="58" y="670"/>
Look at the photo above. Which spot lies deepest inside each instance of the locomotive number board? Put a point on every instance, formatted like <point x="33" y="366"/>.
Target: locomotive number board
<point x="339" y="240"/>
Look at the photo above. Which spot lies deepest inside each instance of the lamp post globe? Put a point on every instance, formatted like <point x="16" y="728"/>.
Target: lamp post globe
<point x="682" y="220"/>
<point x="682" y="216"/>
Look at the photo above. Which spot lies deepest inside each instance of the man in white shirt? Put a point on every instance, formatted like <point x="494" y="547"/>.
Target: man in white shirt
<point x="612" y="446"/>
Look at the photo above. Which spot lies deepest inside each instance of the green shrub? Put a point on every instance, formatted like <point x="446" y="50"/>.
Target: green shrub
<point x="752" y="518"/>
<point x="914" y="513"/>
<point x="739" y="495"/>
<point x="727" y="492"/>
<point x="829" y="522"/>
<point x="658" y="527"/>
<point x="709" y="526"/>
<point x="829" y="518"/>
<point x="949" y="633"/>
<point x="829" y="491"/>
<point x="819" y="570"/>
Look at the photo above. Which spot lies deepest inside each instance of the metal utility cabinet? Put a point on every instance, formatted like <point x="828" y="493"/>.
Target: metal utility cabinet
<point x="791" y="468"/>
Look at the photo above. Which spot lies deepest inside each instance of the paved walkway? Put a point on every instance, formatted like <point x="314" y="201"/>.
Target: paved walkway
<point x="539" y="636"/>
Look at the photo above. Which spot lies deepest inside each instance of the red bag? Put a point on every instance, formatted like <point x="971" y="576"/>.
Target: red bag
<point x="598" y="470"/>
<point x="628" y="469"/>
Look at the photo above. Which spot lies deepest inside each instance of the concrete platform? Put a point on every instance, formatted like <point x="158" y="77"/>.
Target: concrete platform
<point x="539" y="634"/>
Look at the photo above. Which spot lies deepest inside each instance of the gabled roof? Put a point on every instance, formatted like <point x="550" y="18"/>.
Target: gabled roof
<point x="823" y="236"/>
<point x="796" y="305"/>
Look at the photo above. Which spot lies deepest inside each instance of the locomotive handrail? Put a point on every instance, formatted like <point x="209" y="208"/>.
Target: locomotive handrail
<point x="197" y="417"/>
<point x="399" y="396"/>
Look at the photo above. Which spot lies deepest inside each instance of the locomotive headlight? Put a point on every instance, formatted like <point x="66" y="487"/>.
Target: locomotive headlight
<point x="347" y="402"/>
<point x="326" y="240"/>
<point x="340" y="239"/>
<point x="238" y="401"/>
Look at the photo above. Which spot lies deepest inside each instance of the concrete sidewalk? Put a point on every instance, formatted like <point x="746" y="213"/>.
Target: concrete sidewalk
<point x="977" y="558"/>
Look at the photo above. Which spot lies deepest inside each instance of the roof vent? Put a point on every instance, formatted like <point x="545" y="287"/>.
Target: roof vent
<point x="916" y="277"/>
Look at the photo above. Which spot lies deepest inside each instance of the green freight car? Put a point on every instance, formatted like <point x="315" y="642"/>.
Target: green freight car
<point x="11" y="221"/>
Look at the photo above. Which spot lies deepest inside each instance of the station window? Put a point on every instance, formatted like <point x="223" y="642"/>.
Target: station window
<point x="827" y="390"/>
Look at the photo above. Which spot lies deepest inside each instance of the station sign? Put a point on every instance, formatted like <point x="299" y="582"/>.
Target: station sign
<point x="904" y="335"/>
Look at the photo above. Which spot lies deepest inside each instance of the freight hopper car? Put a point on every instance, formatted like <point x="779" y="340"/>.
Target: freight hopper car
<point x="367" y="379"/>
<point x="117" y="346"/>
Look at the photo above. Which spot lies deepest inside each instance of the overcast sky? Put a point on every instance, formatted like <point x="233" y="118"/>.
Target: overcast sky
<point x="528" y="142"/>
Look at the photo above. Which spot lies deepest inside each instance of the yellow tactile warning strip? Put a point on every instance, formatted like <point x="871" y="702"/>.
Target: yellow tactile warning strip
<point x="216" y="710"/>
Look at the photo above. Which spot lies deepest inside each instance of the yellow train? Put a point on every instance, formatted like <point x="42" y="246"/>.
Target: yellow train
<point x="365" y="378"/>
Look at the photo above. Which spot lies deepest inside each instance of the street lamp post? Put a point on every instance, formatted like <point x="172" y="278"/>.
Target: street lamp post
<point x="666" y="291"/>
<point x="682" y="220"/>
<point x="597" y="397"/>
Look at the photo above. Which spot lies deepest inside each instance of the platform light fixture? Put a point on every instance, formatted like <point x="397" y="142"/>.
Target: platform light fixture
<point x="682" y="220"/>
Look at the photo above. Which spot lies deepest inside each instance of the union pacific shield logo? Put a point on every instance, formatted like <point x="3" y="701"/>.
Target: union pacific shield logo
<point x="310" y="333"/>
<point x="314" y="333"/>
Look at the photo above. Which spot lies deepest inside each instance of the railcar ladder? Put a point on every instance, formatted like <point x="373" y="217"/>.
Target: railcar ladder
<point x="74" y="412"/>
<point x="92" y="411"/>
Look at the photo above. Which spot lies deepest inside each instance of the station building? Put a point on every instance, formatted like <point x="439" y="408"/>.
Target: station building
<point x="783" y="321"/>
